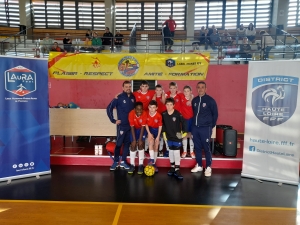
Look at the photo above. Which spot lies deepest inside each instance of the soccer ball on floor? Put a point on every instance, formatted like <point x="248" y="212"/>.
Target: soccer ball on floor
<point x="149" y="170"/>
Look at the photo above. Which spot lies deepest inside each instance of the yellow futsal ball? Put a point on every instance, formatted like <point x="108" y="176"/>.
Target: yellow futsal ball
<point x="149" y="170"/>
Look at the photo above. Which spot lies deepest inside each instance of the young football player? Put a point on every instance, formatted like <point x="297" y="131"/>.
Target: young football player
<point x="153" y="127"/>
<point x="144" y="95"/>
<point x="174" y="129"/>
<point x="137" y="120"/>
<point x="173" y="93"/>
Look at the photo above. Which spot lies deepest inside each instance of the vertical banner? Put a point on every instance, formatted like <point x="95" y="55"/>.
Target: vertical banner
<point x="24" y="118"/>
<point x="272" y="134"/>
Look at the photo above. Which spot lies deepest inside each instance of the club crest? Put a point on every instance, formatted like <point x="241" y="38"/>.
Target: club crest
<point x="121" y="132"/>
<point x="174" y="119"/>
<point x="204" y="105"/>
<point x="274" y="98"/>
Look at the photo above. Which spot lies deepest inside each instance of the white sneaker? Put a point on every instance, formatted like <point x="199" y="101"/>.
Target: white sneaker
<point x="197" y="169"/>
<point x="207" y="172"/>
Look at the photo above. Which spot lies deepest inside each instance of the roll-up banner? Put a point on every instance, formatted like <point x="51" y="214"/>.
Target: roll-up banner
<point x="272" y="134"/>
<point x="24" y="118"/>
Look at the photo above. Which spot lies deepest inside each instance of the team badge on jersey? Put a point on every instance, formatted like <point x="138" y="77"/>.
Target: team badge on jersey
<point x="156" y="121"/>
<point x="140" y="120"/>
<point x="121" y="132"/>
<point x="204" y="104"/>
<point x="124" y="101"/>
<point x="132" y="100"/>
<point x="147" y="97"/>
<point x="174" y="119"/>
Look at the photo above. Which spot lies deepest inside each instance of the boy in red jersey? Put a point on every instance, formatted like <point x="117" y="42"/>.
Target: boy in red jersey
<point x="137" y="120"/>
<point x="153" y="127"/>
<point x="173" y="93"/>
<point x="144" y="95"/>
<point x="187" y="113"/>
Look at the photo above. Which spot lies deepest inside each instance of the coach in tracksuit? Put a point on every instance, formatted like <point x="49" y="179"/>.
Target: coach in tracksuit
<point x="205" y="117"/>
<point x="124" y="103"/>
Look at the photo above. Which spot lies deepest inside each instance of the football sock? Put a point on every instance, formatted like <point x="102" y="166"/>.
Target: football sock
<point x="176" y="167"/>
<point x="184" y="144"/>
<point x="141" y="156"/>
<point x="151" y="152"/>
<point x="172" y="164"/>
<point x="191" y="145"/>
<point x="155" y="156"/>
<point x="171" y="156"/>
<point x="176" y="157"/>
<point x="146" y="144"/>
<point x="132" y="157"/>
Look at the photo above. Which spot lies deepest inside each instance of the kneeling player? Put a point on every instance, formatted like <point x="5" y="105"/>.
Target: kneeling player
<point x="137" y="120"/>
<point x="174" y="129"/>
<point x="153" y="127"/>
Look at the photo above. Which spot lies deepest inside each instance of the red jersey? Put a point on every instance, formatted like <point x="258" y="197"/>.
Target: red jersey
<point x="171" y="24"/>
<point x="161" y="107"/>
<point x="177" y="99"/>
<point x="186" y="110"/>
<point x="145" y="98"/>
<point x="137" y="122"/>
<point x="154" y="121"/>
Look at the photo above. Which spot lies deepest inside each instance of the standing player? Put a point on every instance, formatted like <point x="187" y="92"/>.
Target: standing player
<point x="173" y="93"/>
<point x="160" y="98"/>
<point x="144" y="95"/>
<point x="187" y="113"/>
<point x="137" y="119"/>
<point x="153" y="127"/>
<point x="204" y="120"/>
<point x="124" y="104"/>
<point x="174" y="129"/>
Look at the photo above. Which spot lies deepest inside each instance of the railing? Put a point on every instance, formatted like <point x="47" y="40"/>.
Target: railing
<point x="285" y="47"/>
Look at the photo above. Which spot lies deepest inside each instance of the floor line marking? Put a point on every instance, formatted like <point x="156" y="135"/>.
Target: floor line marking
<point x="149" y="204"/>
<point x="117" y="216"/>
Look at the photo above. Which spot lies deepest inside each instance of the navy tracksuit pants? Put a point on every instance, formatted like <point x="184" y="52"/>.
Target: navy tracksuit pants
<point x="123" y="137"/>
<point x="201" y="138"/>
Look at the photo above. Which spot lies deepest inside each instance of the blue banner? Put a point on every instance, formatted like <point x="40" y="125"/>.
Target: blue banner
<point x="24" y="118"/>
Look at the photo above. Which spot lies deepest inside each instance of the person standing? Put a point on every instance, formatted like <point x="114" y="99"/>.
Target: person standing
<point x="204" y="120"/>
<point x="172" y="27"/>
<point x="119" y="38"/>
<point x="124" y="104"/>
<point x="107" y="37"/>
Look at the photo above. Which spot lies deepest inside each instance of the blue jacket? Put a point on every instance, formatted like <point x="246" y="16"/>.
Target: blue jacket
<point x="124" y="105"/>
<point x="205" y="111"/>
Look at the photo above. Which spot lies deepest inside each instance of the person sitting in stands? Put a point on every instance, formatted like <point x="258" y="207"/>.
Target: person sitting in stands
<point x="68" y="43"/>
<point x="107" y="36"/>
<point x="87" y="46"/>
<point x="214" y="39"/>
<point x="46" y="44"/>
<point x="97" y="42"/>
<point x="245" y="49"/>
<point x="196" y="44"/>
<point x="240" y="33"/>
<point x="251" y="32"/>
<point x="226" y="38"/>
<point x="210" y="30"/>
<point x="89" y="34"/>
<point x="56" y="48"/>
<point x="119" y="41"/>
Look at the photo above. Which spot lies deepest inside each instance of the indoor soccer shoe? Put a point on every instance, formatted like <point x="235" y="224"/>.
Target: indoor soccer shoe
<point x="114" y="166"/>
<point x="178" y="175"/>
<point x="124" y="165"/>
<point x="171" y="171"/>
<point x="131" y="170"/>
<point x="197" y="169"/>
<point x="141" y="169"/>
<point x="156" y="169"/>
<point x="207" y="172"/>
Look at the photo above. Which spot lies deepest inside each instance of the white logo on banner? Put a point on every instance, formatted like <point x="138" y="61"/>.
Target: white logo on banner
<point x="275" y="94"/>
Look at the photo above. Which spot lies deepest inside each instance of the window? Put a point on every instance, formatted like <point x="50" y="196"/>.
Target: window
<point x="178" y="13"/>
<point x="98" y="16"/>
<point x="215" y="13"/>
<point x="53" y="14"/>
<point x="231" y="14"/>
<point x="293" y="16"/>
<point x="9" y="13"/>
<point x="134" y="15"/>
<point x="69" y="14"/>
<point x="200" y="15"/>
<point x="149" y="16"/>
<point x="85" y="15"/>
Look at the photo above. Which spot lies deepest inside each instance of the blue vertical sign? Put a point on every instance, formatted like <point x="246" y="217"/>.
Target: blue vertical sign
<point x="24" y="118"/>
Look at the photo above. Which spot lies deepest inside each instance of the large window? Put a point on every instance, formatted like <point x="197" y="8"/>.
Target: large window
<point x="149" y="15"/>
<point x="9" y="13"/>
<point x="293" y="16"/>
<point x="68" y="14"/>
<point x="231" y="13"/>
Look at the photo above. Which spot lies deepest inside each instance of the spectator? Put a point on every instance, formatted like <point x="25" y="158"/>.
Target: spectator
<point x="56" y="48"/>
<point x="46" y="44"/>
<point x="196" y="44"/>
<point x="202" y="31"/>
<point x="245" y="49"/>
<point x="251" y="32"/>
<point x="89" y="34"/>
<point x="210" y="31"/>
<point x="166" y="33"/>
<point x="240" y="33"/>
<point x="87" y="46"/>
<point x="172" y="27"/>
<point x="267" y="43"/>
<point x="96" y="42"/>
<point x="107" y="36"/>
<point x="205" y="39"/>
<point x="214" y="39"/>
<point x="68" y="43"/>
<point x="119" y="41"/>
<point x="226" y="38"/>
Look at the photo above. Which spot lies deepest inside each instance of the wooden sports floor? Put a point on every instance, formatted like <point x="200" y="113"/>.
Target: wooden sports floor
<point x="94" y="195"/>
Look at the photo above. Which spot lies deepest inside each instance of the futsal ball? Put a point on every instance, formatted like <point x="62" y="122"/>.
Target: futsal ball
<point x="149" y="170"/>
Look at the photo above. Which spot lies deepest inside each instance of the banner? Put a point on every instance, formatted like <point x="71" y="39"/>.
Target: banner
<point x="24" y="118"/>
<point x="271" y="141"/>
<point x="128" y="66"/>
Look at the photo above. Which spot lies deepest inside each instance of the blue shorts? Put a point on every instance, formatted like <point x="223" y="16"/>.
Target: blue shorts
<point x="189" y="124"/>
<point x="137" y="134"/>
<point x="153" y="131"/>
<point x="174" y="145"/>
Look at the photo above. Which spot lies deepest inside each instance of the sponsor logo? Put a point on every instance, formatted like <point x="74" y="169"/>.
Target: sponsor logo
<point x="252" y="148"/>
<point x="96" y="62"/>
<point x="20" y="81"/>
<point x="170" y="63"/>
<point x="128" y="66"/>
<point x="274" y="98"/>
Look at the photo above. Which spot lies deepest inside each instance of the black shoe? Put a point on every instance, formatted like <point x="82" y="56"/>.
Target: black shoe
<point x="171" y="171"/>
<point x="178" y="175"/>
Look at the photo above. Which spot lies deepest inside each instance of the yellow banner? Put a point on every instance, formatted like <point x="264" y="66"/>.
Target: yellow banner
<point x="128" y="66"/>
